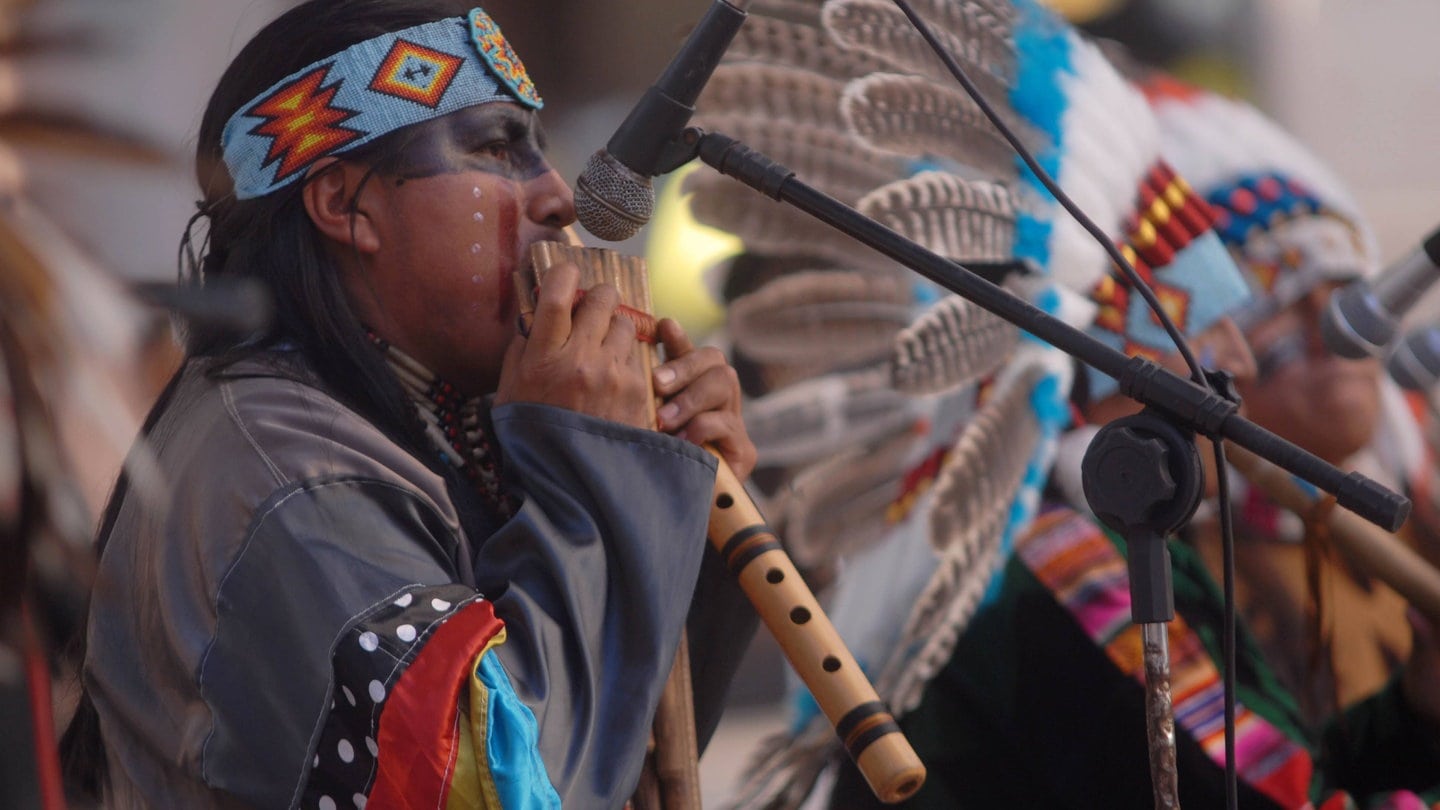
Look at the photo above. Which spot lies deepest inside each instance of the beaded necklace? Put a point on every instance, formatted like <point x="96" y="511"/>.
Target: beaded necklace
<point x="454" y="425"/>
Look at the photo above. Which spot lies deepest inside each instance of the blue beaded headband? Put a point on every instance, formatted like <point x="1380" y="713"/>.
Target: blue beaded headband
<point x="367" y="91"/>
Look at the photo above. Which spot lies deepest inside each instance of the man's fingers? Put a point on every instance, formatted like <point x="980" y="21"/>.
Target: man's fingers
<point x="552" y="325"/>
<point x="620" y="339"/>
<point x="679" y="372"/>
<point x="594" y="313"/>
<point x="673" y="338"/>
<point x="713" y="390"/>
<point x="510" y="369"/>
<point x="726" y="434"/>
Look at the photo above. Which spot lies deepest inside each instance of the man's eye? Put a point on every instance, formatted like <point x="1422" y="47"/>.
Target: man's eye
<point x="496" y="149"/>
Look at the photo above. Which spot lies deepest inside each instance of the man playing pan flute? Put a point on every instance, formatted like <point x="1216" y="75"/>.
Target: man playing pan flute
<point x="402" y="553"/>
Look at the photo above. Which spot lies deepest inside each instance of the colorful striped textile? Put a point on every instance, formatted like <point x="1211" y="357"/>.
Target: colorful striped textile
<point x="1079" y="564"/>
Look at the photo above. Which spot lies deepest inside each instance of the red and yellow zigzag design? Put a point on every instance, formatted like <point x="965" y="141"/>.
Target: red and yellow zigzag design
<point x="302" y="123"/>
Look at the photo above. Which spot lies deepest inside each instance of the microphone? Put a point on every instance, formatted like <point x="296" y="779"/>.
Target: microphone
<point x="1363" y="317"/>
<point x="613" y="196"/>
<point x="1415" y="363"/>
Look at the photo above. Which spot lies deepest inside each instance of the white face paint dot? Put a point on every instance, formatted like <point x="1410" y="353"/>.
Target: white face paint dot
<point x="477" y="192"/>
<point x="406" y="632"/>
<point x="360" y="800"/>
<point x="377" y="691"/>
<point x="349" y="696"/>
<point x="372" y="746"/>
<point x="369" y="641"/>
<point x="327" y="803"/>
<point x="346" y="751"/>
<point x="479" y="217"/>
<point x="440" y="605"/>
<point x="405" y="600"/>
<point x="475" y="248"/>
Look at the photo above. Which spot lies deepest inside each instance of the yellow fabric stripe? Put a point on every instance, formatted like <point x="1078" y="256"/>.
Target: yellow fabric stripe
<point x="472" y="785"/>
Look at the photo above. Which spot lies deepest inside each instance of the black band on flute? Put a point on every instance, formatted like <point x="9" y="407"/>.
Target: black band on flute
<point x="860" y="743"/>
<point x="737" y="554"/>
<point x="863" y="725"/>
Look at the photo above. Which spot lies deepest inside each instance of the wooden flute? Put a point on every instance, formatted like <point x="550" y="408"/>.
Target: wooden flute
<point x="766" y="574"/>
<point x="1375" y="551"/>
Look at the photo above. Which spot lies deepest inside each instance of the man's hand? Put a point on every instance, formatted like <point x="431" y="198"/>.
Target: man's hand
<point x="583" y="358"/>
<point x="700" y="393"/>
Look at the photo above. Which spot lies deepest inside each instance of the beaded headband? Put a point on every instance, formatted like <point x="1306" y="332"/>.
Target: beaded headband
<point x="367" y="91"/>
<point x="1286" y="238"/>
<point x="1171" y="243"/>
<point x="1285" y="217"/>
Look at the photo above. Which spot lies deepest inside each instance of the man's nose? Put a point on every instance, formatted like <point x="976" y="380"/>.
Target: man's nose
<point x="550" y="201"/>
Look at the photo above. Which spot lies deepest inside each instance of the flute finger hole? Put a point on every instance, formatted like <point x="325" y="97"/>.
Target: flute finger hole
<point x="830" y="664"/>
<point x="799" y="615"/>
<point x="774" y="576"/>
<point x="724" y="501"/>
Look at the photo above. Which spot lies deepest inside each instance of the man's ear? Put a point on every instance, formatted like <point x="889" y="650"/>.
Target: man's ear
<point x="333" y="205"/>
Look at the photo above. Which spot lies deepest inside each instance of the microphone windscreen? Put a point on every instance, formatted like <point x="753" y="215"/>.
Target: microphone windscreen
<point x="611" y="201"/>
<point x="1355" y="324"/>
<point x="1415" y="363"/>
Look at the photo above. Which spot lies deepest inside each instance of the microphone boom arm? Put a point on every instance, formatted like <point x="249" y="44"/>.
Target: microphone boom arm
<point x="1179" y="399"/>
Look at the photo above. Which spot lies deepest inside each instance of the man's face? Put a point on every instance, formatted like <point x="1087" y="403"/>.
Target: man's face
<point x="456" y="210"/>
<point x="1327" y="404"/>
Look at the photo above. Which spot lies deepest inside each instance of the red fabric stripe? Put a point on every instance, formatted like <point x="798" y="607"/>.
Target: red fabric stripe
<point x="42" y="723"/>
<point x="418" y="730"/>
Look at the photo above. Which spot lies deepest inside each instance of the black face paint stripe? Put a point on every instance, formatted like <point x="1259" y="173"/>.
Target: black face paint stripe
<point x="460" y="142"/>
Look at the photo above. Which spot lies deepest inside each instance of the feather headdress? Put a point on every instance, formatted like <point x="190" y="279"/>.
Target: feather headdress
<point x="921" y="499"/>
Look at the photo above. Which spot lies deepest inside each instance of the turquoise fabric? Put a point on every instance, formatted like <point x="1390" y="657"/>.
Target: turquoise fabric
<point x="513" y="743"/>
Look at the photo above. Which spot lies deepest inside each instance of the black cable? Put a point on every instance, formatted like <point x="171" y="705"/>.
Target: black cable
<point x="1227" y="551"/>
<point x="1181" y="345"/>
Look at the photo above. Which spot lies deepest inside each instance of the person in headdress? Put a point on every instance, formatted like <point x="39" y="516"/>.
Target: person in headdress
<point x="1042" y="701"/>
<point x="403" y="551"/>
<point x="1333" y="634"/>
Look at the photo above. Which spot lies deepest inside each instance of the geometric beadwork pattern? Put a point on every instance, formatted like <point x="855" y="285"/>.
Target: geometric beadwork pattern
<point x="501" y="58"/>
<point x="416" y="73"/>
<point x="367" y="91"/>
<point x="1168" y="217"/>
<point x="302" y="123"/>
<point x="1256" y="203"/>
<point x="1171" y="243"/>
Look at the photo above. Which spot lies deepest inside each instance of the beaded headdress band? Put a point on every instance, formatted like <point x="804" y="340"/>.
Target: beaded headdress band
<point x="1286" y="218"/>
<point x="367" y="91"/>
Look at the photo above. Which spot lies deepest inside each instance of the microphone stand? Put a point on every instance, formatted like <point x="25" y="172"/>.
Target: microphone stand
<point x="1142" y="474"/>
<point x="1142" y="477"/>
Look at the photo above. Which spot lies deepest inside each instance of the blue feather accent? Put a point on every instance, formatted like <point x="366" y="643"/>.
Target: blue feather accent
<point x="1043" y="54"/>
<point x="1048" y="299"/>
<point x="1049" y="401"/>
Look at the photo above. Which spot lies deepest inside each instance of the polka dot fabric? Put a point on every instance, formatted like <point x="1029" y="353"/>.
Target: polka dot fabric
<point x="369" y="658"/>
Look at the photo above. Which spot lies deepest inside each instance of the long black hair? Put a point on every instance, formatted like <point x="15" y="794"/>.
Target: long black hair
<point x="271" y="240"/>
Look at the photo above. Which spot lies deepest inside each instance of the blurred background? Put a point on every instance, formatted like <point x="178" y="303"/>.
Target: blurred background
<point x="100" y="101"/>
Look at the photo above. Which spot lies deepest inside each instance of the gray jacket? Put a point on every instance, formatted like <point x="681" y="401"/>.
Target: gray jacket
<point x="284" y="518"/>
